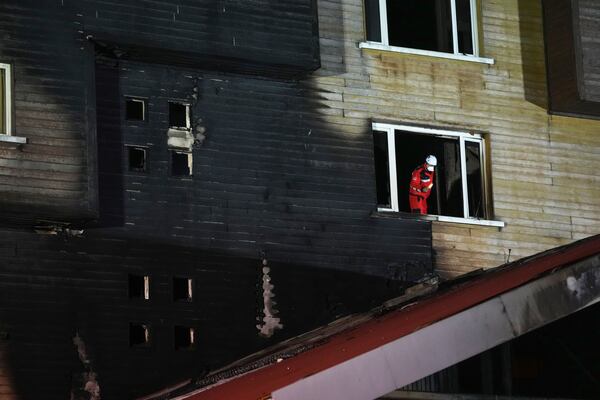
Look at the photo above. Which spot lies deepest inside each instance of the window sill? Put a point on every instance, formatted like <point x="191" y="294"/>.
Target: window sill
<point x="385" y="213"/>
<point x="15" y="140"/>
<point x="430" y="53"/>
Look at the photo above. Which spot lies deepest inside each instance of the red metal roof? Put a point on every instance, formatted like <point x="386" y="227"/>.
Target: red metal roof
<point x="378" y="331"/>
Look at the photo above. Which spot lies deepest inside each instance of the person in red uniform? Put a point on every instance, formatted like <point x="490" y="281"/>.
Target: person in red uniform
<point x="421" y="184"/>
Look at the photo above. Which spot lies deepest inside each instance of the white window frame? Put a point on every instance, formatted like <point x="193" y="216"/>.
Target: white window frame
<point x="7" y="98"/>
<point x="9" y="136"/>
<point x="463" y="138"/>
<point x="456" y="55"/>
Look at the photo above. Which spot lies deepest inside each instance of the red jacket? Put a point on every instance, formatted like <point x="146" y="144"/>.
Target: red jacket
<point x="421" y="181"/>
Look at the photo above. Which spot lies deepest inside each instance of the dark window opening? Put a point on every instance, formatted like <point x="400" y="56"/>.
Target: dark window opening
<point x="422" y="24"/>
<point x="135" y="109"/>
<point x="452" y="194"/>
<point x="182" y="289"/>
<point x="411" y="151"/>
<point x="463" y="24"/>
<point x="382" y="168"/>
<point x="373" y="20"/>
<point x="3" y="105"/>
<point x="139" y="335"/>
<point x="181" y="164"/>
<point x="475" y="180"/>
<point x="185" y="337"/>
<point x="178" y="115"/>
<point x="139" y="287"/>
<point x="137" y="159"/>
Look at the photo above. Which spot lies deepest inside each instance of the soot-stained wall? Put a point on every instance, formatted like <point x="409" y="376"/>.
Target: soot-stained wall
<point x="55" y="288"/>
<point x="269" y="175"/>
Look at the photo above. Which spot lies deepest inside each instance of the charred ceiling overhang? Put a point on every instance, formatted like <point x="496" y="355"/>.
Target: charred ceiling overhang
<point x="116" y="48"/>
<point x="275" y="39"/>
<point x="370" y="357"/>
<point x="572" y="57"/>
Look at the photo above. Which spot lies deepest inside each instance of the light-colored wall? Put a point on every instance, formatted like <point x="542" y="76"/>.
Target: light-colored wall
<point x="545" y="170"/>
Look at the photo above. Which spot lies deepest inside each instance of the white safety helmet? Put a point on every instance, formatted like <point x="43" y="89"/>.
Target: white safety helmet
<point x="431" y="162"/>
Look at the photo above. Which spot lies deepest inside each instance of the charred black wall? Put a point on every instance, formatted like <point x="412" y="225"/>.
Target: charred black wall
<point x="50" y="47"/>
<point x="261" y="34"/>
<point x="54" y="288"/>
<point x="271" y="176"/>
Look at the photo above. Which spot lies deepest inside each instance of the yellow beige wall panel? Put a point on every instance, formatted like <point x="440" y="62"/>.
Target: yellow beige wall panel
<point x="545" y="170"/>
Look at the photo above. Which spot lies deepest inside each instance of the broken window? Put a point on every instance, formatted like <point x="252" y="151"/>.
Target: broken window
<point x="181" y="163"/>
<point x="179" y="115"/>
<point x="184" y="337"/>
<point x="458" y="189"/>
<point x="139" y="335"/>
<point x="448" y="26"/>
<point x="183" y="289"/>
<point x="139" y="287"/>
<point x="137" y="158"/>
<point x="135" y="109"/>
<point x="5" y="100"/>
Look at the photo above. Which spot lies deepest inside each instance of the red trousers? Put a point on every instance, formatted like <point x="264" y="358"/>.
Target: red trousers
<point x="418" y="204"/>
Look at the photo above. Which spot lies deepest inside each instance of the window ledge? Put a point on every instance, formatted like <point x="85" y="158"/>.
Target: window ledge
<point x="430" y="53"/>
<point x="385" y="213"/>
<point x="13" y="139"/>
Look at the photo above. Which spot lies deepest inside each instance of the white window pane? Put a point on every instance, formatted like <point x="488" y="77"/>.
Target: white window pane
<point x="3" y="101"/>
<point x="465" y="35"/>
<point x="475" y="180"/>
<point x="420" y="24"/>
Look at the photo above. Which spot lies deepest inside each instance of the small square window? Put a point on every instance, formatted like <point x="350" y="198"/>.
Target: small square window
<point x="406" y="182"/>
<point x="137" y="158"/>
<point x="139" y="335"/>
<point x="179" y="115"/>
<point x="139" y="287"/>
<point x="183" y="289"/>
<point x="135" y="109"/>
<point x="181" y="163"/>
<point x="184" y="337"/>
<point x="448" y="26"/>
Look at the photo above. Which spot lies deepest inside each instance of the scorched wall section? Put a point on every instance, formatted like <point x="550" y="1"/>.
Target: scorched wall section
<point x="269" y="175"/>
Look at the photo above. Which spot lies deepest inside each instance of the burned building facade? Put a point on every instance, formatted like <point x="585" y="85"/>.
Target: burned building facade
<point x="183" y="183"/>
<point x="172" y="197"/>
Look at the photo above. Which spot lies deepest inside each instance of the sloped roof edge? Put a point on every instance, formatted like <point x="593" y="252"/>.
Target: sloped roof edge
<point x="362" y="346"/>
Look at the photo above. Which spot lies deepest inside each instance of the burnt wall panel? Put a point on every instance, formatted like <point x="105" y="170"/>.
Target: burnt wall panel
<point x="269" y="175"/>
<point x="56" y="289"/>
<point x="263" y="32"/>
<point x="52" y="104"/>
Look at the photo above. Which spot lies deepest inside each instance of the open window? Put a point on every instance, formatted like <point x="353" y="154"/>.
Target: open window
<point x="183" y="289"/>
<point x="139" y="287"/>
<point x="443" y="26"/>
<point x="5" y="100"/>
<point x="459" y="189"/>
<point x="136" y="158"/>
<point x="179" y="115"/>
<point x="181" y="163"/>
<point x="139" y="335"/>
<point x="184" y="338"/>
<point x="135" y="109"/>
